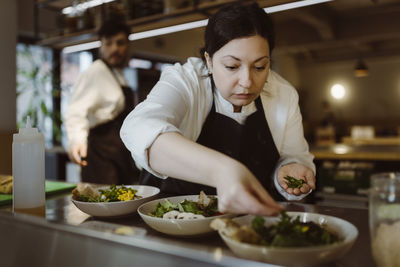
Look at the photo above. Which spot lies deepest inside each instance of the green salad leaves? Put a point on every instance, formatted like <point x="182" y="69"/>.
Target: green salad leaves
<point x="211" y="209"/>
<point x="290" y="232"/>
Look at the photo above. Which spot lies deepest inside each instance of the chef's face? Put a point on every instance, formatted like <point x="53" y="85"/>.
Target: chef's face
<point x="240" y="69"/>
<point x="114" y="49"/>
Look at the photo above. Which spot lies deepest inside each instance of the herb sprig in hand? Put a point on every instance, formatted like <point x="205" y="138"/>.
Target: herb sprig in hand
<point x="293" y="182"/>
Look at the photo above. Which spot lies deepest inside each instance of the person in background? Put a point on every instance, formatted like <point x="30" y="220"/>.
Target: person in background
<point x="226" y="123"/>
<point x="100" y="102"/>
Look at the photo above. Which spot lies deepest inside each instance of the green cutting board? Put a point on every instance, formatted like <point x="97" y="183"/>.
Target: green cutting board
<point x="52" y="187"/>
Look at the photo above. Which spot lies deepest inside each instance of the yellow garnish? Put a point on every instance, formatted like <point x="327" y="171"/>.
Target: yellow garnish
<point x="125" y="230"/>
<point x="305" y="229"/>
<point x="126" y="196"/>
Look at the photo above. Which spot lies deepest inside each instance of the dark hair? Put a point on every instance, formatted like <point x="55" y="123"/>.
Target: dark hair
<point x="112" y="27"/>
<point x="236" y="21"/>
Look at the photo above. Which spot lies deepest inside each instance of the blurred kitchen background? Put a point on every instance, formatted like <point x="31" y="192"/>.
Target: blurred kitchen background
<point x="343" y="57"/>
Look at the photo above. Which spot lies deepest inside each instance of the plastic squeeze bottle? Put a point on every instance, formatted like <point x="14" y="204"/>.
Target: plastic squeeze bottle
<point x="28" y="171"/>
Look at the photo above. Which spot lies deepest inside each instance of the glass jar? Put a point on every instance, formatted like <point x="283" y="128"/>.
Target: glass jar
<point x="384" y="218"/>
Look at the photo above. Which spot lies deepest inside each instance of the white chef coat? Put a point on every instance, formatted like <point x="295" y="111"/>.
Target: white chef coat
<point x="182" y="99"/>
<point x="96" y="99"/>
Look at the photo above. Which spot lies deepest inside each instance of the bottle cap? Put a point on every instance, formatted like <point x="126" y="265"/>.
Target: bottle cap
<point x="28" y="133"/>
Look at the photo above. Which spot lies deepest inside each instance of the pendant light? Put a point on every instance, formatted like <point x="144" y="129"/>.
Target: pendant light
<point x="361" y="69"/>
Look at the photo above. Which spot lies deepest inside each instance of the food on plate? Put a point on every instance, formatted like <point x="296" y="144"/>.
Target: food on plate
<point x="125" y="230"/>
<point x="288" y="232"/>
<point x="293" y="182"/>
<point x="86" y="193"/>
<point x="6" y="182"/>
<point x="206" y="206"/>
<point x="241" y="233"/>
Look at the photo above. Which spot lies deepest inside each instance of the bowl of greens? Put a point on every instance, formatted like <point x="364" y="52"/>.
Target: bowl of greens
<point x="114" y="200"/>
<point x="293" y="239"/>
<point x="182" y="215"/>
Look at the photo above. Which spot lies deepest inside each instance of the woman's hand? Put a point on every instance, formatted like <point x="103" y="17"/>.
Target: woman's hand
<point x="77" y="152"/>
<point x="240" y="192"/>
<point x="298" y="172"/>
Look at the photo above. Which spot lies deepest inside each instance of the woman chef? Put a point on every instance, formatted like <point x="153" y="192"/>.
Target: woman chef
<point x="224" y="122"/>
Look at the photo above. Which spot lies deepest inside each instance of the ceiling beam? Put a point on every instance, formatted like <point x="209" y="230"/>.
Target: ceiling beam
<point x="322" y="25"/>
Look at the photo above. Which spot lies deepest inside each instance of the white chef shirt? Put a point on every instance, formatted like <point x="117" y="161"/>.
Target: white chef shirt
<point x="97" y="98"/>
<point x="182" y="99"/>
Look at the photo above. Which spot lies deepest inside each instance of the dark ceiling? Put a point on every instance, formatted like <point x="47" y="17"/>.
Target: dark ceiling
<point x="336" y="30"/>
<point x="340" y="30"/>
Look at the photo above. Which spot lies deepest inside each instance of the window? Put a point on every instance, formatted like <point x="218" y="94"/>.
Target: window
<point x="34" y="88"/>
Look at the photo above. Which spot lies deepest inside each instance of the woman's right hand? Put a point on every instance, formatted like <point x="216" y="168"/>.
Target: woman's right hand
<point x="240" y="192"/>
<point x="76" y="152"/>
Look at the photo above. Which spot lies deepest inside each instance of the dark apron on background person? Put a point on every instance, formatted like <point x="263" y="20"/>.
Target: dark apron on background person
<point x="109" y="161"/>
<point x="251" y="143"/>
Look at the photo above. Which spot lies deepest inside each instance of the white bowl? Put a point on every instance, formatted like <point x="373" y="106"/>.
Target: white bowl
<point x="118" y="208"/>
<point x="298" y="256"/>
<point x="177" y="227"/>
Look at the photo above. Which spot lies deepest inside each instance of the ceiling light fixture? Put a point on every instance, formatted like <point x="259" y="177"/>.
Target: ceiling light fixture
<point x="169" y="29"/>
<point x="338" y="91"/>
<point x="293" y="5"/>
<point x="187" y="26"/>
<point x="81" y="47"/>
<point x="361" y="69"/>
<point x="83" y="6"/>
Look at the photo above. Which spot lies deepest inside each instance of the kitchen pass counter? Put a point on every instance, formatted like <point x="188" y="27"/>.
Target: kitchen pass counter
<point x="69" y="237"/>
<point x="52" y="187"/>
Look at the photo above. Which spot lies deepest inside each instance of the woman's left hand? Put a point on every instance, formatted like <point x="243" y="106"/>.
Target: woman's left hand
<point x="298" y="172"/>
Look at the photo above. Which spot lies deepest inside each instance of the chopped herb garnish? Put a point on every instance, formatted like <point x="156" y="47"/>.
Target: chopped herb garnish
<point x="293" y="182"/>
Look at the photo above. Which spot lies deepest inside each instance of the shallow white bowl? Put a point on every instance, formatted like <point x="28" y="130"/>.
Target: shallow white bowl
<point x="299" y="256"/>
<point x="119" y="208"/>
<point x="177" y="227"/>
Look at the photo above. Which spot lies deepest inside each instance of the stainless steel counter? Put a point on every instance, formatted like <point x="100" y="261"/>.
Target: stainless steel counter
<point x="69" y="237"/>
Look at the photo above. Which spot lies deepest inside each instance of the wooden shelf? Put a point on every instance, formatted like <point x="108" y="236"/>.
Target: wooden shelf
<point x="357" y="152"/>
<point x="371" y="141"/>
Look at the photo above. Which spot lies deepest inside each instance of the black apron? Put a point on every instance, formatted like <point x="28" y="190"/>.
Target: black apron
<point x="251" y="143"/>
<point x="109" y="162"/>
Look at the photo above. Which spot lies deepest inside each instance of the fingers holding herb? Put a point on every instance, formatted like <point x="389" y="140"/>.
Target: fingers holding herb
<point x="296" y="186"/>
<point x="245" y="193"/>
<point x="296" y="179"/>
